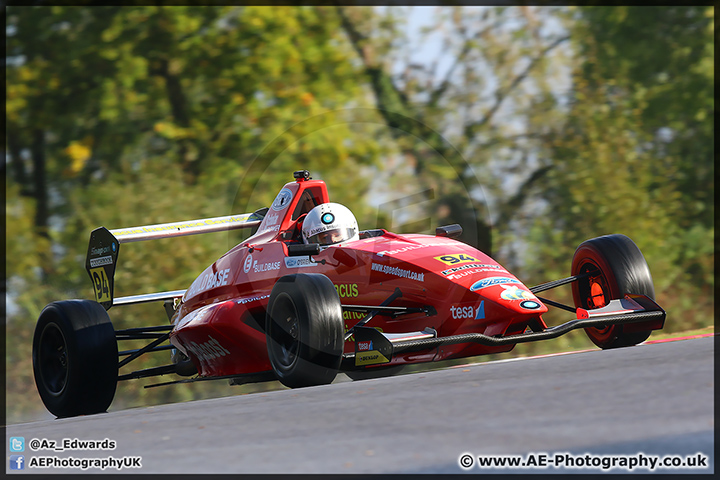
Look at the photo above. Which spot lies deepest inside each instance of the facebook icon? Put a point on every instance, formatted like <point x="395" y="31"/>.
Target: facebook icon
<point x="17" y="462"/>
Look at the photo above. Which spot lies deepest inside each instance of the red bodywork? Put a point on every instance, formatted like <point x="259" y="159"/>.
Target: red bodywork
<point x="220" y="323"/>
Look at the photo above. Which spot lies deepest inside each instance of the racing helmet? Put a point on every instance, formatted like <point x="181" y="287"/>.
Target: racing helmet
<point x="328" y="224"/>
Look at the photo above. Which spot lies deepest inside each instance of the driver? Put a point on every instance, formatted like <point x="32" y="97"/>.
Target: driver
<point x="329" y="224"/>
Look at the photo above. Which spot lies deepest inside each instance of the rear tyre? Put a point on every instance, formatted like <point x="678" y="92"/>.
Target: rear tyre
<point x="616" y="267"/>
<point x="304" y="330"/>
<point x="75" y="358"/>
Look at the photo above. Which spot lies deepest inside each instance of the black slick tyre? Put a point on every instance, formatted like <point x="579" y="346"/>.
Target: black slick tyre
<point x="304" y="330"/>
<point x="75" y="358"/>
<point x="616" y="267"/>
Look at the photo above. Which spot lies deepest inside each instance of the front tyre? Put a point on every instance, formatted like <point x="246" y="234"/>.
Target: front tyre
<point x="75" y="358"/>
<point x="616" y="267"/>
<point x="304" y="330"/>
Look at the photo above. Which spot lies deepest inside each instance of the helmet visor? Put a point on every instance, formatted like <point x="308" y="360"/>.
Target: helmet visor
<point x="332" y="237"/>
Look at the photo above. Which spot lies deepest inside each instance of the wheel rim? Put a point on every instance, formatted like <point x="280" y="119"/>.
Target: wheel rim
<point x="53" y="359"/>
<point x="597" y="300"/>
<point x="286" y="333"/>
<point x="595" y="294"/>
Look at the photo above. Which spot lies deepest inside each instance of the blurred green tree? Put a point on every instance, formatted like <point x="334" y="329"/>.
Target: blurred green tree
<point x="662" y="60"/>
<point x="635" y="154"/>
<point x="474" y="108"/>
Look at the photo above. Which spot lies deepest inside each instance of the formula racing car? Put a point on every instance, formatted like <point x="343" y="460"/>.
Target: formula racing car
<point x="308" y="295"/>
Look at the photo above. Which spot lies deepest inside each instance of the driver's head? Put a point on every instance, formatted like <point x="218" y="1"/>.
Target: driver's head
<point x="328" y="224"/>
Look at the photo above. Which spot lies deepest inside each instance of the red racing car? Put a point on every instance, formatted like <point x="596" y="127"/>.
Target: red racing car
<point x="309" y="295"/>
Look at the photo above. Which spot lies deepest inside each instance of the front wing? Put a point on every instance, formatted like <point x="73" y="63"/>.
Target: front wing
<point x="375" y="348"/>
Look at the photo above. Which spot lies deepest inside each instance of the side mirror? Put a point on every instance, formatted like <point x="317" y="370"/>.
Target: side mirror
<point x="449" y="231"/>
<point x="303" y="249"/>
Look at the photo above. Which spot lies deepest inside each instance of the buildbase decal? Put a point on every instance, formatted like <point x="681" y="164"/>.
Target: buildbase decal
<point x="471" y="266"/>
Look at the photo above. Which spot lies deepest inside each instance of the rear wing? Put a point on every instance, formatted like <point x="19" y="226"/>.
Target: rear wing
<point x="104" y="248"/>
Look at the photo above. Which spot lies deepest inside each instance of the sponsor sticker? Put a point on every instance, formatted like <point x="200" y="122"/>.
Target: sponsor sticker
<point x="461" y="312"/>
<point x="409" y="248"/>
<point x="480" y="312"/>
<point x="490" y="281"/>
<point x="282" y="200"/>
<point x="99" y="262"/>
<point x="382" y="253"/>
<point x="365" y="346"/>
<point x="197" y="316"/>
<point x="271" y="228"/>
<point x="272" y="219"/>
<point x="481" y="266"/>
<point x="298" y="262"/>
<point x="513" y="292"/>
<point x="370" y="358"/>
<point x="207" y="281"/>
<point x="167" y="227"/>
<point x="320" y="229"/>
<point x="209" y="350"/>
<point x="353" y="316"/>
<point x="347" y="290"/>
<point x="248" y="263"/>
<point x="270" y="223"/>
<point x="398" y="272"/>
<point x="530" y="305"/>
<point x="100" y="251"/>
<point x="243" y="301"/>
<point x="468" y="312"/>
<point x="472" y="272"/>
<point x="265" y="267"/>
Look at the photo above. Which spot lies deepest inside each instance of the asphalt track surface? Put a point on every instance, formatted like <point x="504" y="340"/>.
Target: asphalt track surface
<point x="654" y="399"/>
